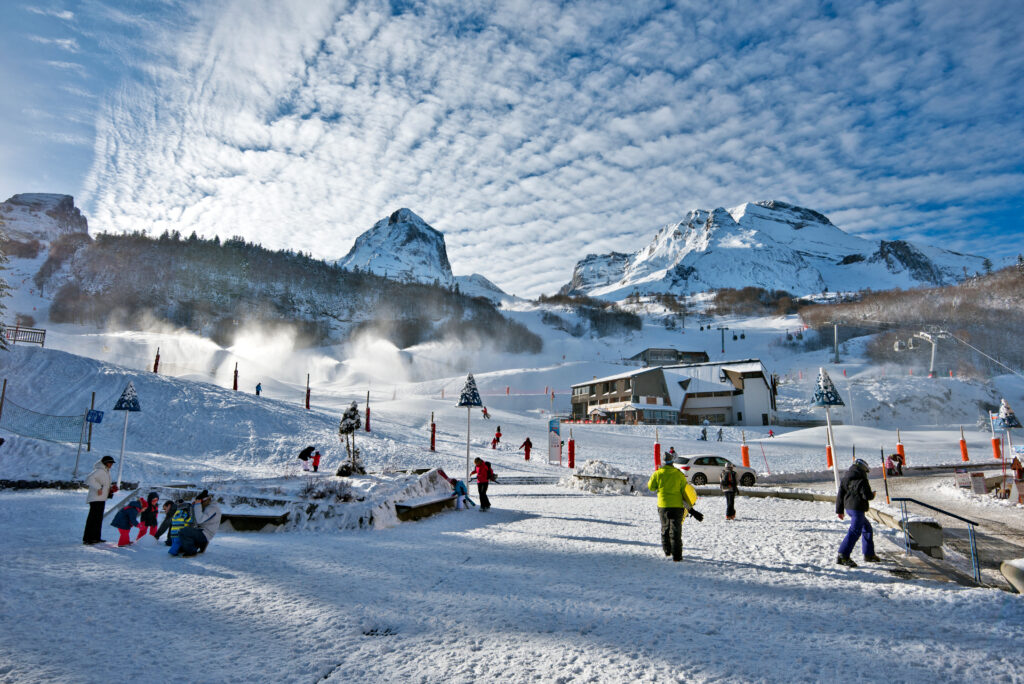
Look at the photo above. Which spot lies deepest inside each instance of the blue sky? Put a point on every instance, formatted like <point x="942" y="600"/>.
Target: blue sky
<point x="531" y="133"/>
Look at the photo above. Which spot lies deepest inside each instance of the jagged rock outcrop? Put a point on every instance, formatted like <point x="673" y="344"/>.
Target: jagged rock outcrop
<point x="41" y="216"/>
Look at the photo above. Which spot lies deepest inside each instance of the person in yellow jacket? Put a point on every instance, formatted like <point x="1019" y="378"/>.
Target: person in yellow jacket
<point x="675" y="498"/>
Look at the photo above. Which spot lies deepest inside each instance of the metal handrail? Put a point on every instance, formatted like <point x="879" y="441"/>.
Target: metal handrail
<point x="970" y="530"/>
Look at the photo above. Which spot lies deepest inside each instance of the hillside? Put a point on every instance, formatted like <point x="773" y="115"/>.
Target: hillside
<point x="216" y="289"/>
<point x="771" y="245"/>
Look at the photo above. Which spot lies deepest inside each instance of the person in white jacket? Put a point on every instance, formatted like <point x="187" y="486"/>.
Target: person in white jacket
<point x="194" y="539"/>
<point x="100" y="489"/>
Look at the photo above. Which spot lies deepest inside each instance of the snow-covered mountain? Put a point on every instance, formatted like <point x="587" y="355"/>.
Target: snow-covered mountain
<point x="41" y="216"/>
<point x="767" y="244"/>
<point x="403" y="246"/>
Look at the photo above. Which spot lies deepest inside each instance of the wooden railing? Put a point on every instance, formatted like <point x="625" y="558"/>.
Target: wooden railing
<point x="17" y="333"/>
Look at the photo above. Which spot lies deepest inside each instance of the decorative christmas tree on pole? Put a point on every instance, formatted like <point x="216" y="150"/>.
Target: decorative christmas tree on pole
<point x="469" y="398"/>
<point x="1006" y="421"/>
<point x="129" y="403"/>
<point x="825" y="394"/>
<point x="350" y="423"/>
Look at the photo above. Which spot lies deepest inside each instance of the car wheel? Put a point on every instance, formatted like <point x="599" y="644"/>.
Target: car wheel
<point x="747" y="480"/>
<point x="700" y="479"/>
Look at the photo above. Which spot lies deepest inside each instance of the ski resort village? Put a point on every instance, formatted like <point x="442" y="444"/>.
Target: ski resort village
<point x="419" y="342"/>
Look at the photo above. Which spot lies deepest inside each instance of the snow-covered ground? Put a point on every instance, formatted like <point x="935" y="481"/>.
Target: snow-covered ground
<point x="553" y="584"/>
<point x="550" y="585"/>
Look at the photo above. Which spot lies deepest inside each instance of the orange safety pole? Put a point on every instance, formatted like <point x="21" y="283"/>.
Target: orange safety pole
<point x="900" y="450"/>
<point x="657" y="450"/>
<point x="963" y="446"/>
<point x="572" y="450"/>
<point x="997" y="449"/>
<point x="745" y="450"/>
<point x="828" y="455"/>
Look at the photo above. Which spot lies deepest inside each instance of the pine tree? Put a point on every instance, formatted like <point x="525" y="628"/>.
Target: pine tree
<point x="350" y="423"/>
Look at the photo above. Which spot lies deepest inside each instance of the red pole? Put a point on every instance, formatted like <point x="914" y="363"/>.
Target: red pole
<point x="745" y="453"/>
<point x="307" y="391"/>
<point x="156" y="363"/>
<point x="235" y="385"/>
<point x="657" y="455"/>
<point x="828" y="455"/>
<point x="433" y="433"/>
<point x="997" y="451"/>
<point x="367" y="410"/>
<point x="572" y="453"/>
<point x="963" y="446"/>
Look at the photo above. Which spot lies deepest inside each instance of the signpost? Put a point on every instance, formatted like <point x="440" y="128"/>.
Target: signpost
<point x="554" y="442"/>
<point x="825" y="394"/>
<point x="129" y="403"/>
<point x="469" y="398"/>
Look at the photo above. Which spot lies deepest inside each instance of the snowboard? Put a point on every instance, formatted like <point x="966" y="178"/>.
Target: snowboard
<point x="691" y="495"/>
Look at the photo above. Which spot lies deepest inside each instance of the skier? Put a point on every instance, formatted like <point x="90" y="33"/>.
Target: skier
<point x="527" y="445"/>
<point x="316" y="460"/>
<point x="147" y="519"/>
<point x="672" y="506"/>
<point x="853" y="497"/>
<point x="259" y="388"/>
<point x="484" y="476"/>
<point x="125" y="520"/>
<point x="771" y="433"/>
<point x="487" y="415"/>
<point x="100" y="489"/>
<point x="730" y="487"/>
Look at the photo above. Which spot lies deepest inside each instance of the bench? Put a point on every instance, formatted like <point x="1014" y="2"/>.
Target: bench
<point x="249" y="522"/>
<point x="424" y="507"/>
<point x="614" y="478"/>
<point x="925" y="535"/>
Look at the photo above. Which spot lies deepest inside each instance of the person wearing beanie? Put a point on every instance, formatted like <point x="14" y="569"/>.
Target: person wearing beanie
<point x="853" y="497"/>
<point x="730" y="487"/>
<point x="192" y="540"/>
<point x="316" y="460"/>
<point x="165" y="525"/>
<point x="99" y="486"/>
<point x="673" y="504"/>
<point x="148" y="516"/>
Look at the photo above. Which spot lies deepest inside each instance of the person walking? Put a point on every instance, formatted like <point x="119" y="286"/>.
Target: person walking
<point x="670" y="483"/>
<point x="853" y="497"/>
<point x="100" y="489"/>
<point x="704" y="434"/>
<point x="484" y="477"/>
<point x="527" y="445"/>
<point x="259" y="388"/>
<point x="730" y="488"/>
<point x="719" y="434"/>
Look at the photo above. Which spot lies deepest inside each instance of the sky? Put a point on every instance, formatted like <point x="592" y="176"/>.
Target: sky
<point x="530" y="133"/>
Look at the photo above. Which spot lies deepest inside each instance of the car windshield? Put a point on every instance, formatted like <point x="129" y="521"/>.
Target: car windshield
<point x="683" y="460"/>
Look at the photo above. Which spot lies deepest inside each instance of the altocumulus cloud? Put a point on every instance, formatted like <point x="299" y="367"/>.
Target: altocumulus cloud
<point x="532" y="133"/>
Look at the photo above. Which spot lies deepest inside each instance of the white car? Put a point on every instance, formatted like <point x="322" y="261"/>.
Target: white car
<point x="702" y="469"/>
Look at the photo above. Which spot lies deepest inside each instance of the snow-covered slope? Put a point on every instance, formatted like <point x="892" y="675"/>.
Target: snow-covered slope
<point x="767" y="244"/>
<point x="40" y="216"/>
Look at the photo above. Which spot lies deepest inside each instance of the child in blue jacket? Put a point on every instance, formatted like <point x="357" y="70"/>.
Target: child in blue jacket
<point x="125" y="520"/>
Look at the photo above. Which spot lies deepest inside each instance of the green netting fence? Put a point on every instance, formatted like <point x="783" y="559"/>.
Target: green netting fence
<point x="28" y="423"/>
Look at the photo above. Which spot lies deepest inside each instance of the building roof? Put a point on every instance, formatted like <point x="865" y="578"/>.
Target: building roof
<point x="619" y="376"/>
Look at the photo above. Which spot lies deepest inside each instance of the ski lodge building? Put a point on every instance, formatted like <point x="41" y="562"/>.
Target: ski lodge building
<point x="720" y="392"/>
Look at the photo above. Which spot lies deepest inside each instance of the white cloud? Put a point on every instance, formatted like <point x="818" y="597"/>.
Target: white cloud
<point x="531" y="138"/>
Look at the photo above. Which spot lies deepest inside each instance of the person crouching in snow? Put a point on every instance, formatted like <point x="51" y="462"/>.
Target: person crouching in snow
<point x="853" y="497"/>
<point x="126" y="519"/>
<point x="461" y="495"/>
<point x="670" y="484"/>
<point x="194" y="539"/>
<point x="165" y="525"/>
<point x="147" y="518"/>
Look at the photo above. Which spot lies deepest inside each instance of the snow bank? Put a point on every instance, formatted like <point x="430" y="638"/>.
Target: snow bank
<point x="597" y="477"/>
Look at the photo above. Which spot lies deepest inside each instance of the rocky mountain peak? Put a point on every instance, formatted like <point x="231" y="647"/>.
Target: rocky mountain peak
<point x="41" y="216"/>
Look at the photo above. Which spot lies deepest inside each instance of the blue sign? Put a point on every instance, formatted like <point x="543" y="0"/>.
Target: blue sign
<point x="94" y="416"/>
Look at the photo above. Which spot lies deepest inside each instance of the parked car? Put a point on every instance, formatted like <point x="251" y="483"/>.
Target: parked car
<point x="702" y="469"/>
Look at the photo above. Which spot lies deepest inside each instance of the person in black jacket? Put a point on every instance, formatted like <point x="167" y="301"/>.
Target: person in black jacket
<point x="854" y="495"/>
<point x="165" y="525"/>
<point x="730" y="487"/>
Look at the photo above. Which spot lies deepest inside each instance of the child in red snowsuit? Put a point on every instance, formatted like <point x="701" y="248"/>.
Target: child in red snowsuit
<point x="316" y="461"/>
<point x="126" y="519"/>
<point x="147" y="517"/>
